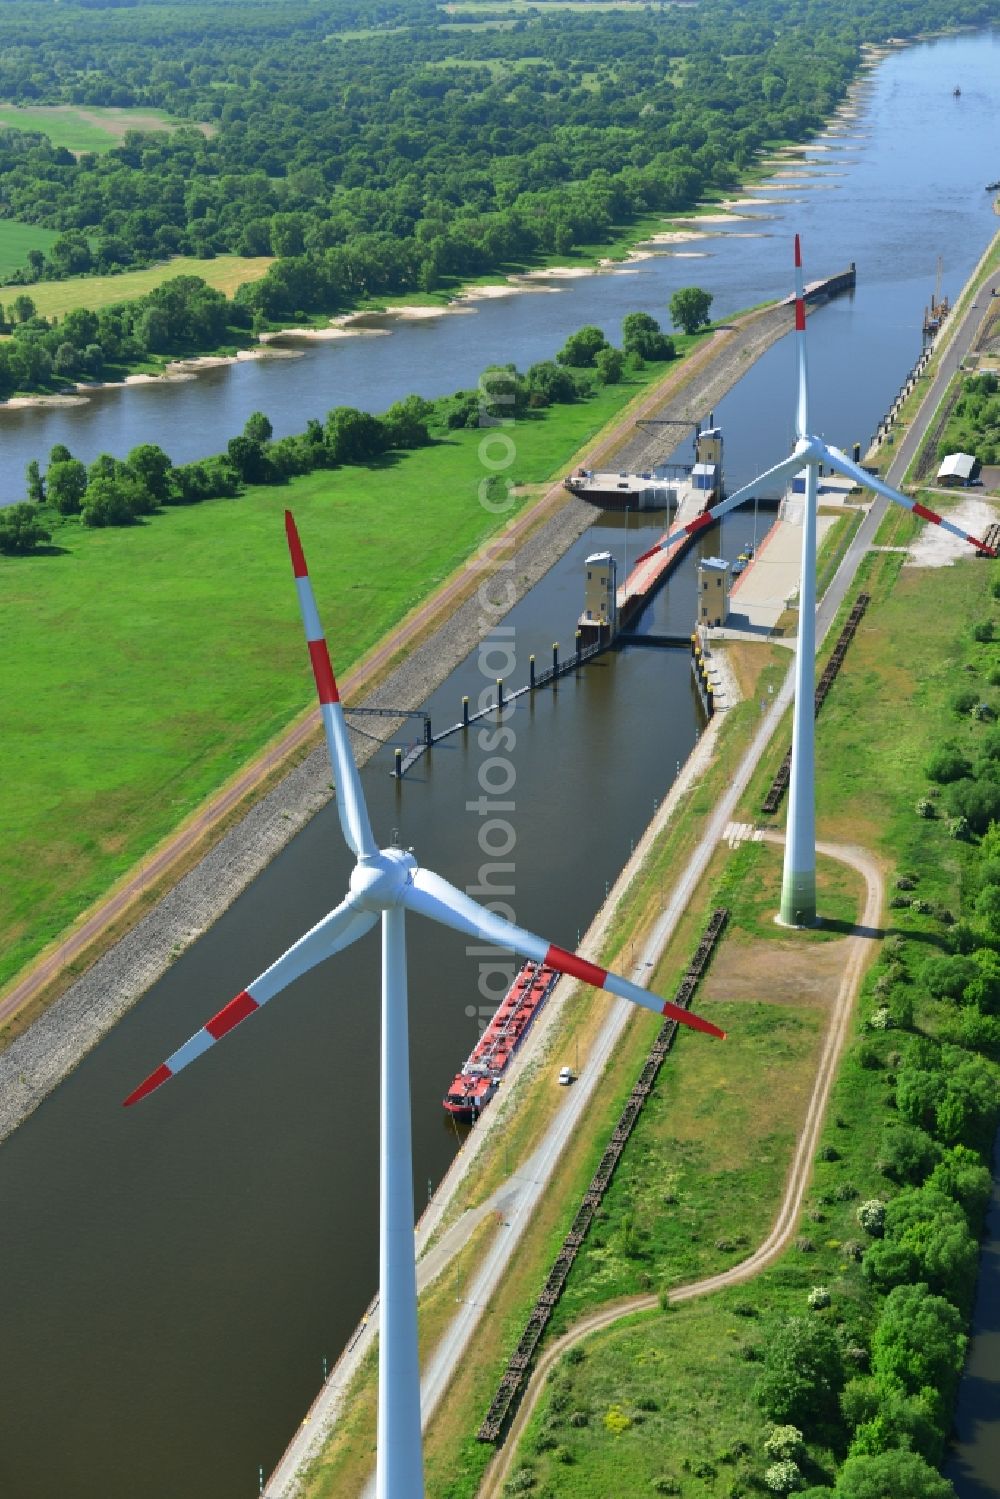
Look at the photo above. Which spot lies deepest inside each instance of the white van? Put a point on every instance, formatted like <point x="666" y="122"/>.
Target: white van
<point x="567" y="1076"/>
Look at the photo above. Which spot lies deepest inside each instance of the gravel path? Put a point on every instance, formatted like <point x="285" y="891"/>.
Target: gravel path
<point x="861" y="950"/>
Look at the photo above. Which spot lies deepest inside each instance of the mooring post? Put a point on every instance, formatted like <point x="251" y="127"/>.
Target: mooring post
<point x="579" y="637"/>
<point x="428" y="736"/>
<point x="465" y="713"/>
<point x="398" y="770"/>
<point x="555" y="657"/>
<point x="499" y="694"/>
<point x="531" y="671"/>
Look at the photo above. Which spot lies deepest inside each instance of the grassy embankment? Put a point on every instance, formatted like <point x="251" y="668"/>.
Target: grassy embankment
<point x="702" y="1435"/>
<point x="173" y="652"/>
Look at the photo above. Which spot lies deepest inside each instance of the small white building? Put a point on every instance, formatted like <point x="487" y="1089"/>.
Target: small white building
<point x="713" y="591"/>
<point x="958" y="469"/>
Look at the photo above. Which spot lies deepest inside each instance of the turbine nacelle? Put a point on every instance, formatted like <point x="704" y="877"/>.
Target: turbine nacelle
<point x="378" y="881"/>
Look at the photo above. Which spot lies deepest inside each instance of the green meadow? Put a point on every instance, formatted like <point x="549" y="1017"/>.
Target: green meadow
<point x="144" y="666"/>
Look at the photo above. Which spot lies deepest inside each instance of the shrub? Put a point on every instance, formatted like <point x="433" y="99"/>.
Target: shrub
<point x="616" y="1420"/>
<point x="983" y="632"/>
<point x="925" y="808"/>
<point x="784" y="1443"/>
<point x="871" y="1216"/>
<point x="818" y="1298"/>
<point x="949" y="764"/>
<point x="783" y="1478"/>
<point x="963" y="702"/>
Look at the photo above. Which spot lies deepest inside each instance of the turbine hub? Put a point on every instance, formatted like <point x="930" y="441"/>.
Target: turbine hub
<point x="378" y="882"/>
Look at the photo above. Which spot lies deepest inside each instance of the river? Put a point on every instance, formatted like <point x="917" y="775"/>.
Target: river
<point x="175" y="1276"/>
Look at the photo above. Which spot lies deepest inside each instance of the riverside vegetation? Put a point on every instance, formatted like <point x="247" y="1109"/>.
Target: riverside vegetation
<point x="401" y="148"/>
<point x="835" y="1371"/>
<point x="172" y="587"/>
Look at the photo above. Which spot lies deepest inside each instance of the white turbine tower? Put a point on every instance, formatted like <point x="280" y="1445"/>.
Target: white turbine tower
<point x="388" y="883"/>
<point x="798" y="885"/>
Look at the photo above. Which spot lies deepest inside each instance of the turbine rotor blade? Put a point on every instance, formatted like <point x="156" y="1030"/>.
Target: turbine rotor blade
<point x="350" y="797"/>
<point x="430" y="895"/>
<point x="844" y="465"/>
<point x="802" y="409"/>
<point x="781" y="472"/>
<point x="338" y="930"/>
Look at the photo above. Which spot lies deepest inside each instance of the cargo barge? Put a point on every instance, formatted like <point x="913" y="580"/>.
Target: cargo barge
<point x="473" y="1087"/>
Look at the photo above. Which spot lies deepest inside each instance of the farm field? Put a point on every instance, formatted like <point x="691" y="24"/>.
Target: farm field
<point x="17" y="239"/>
<point x="55" y="298"/>
<point x="81" y="129"/>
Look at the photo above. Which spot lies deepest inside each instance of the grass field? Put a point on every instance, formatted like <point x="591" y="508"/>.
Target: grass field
<point x="166" y="603"/>
<point x="667" y="1399"/>
<point x="15" y="242"/>
<point x="81" y="129"/>
<point x="56" y="298"/>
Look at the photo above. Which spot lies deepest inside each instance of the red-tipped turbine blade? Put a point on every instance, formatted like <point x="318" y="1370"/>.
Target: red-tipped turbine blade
<point x="350" y="797"/>
<point x="430" y="895"/>
<point x="802" y="409"/>
<point x="840" y="461"/>
<point x="336" y="931"/>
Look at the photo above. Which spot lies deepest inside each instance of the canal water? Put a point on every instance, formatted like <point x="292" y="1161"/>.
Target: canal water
<point x="175" y="1276"/>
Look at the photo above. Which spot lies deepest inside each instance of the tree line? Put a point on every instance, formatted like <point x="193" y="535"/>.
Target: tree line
<point x="119" y="491"/>
<point x="385" y="147"/>
<point x="183" y="315"/>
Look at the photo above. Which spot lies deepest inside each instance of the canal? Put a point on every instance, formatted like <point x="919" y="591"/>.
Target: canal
<point x="175" y="1276"/>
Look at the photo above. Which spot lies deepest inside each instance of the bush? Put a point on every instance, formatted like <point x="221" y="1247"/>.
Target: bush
<point x="949" y="764"/>
<point x="818" y="1298"/>
<point x="963" y="702"/>
<point x="925" y="808"/>
<point x="783" y="1478"/>
<point x="871" y="1217"/>
<point x="983" y="632"/>
<point x="784" y="1443"/>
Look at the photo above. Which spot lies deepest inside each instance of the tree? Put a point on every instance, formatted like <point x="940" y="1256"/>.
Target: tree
<point x="803" y="1373"/>
<point x="23" y="308"/>
<point x="641" y="335"/>
<point x="36" y="484"/>
<point x="919" y="1342"/>
<point x="20" y="529"/>
<point x="610" y="365"/>
<point x="249" y="459"/>
<point x="66" y="482"/>
<point x="689" y="308"/>
<point x="110" y="502"/>
<point x="891" y="1475"/>
<point x="258" y="428"/>
<point x="354" y="436"/>
<point x="580" y="349"/>
<point x="151" y="468"/>
<point x="406" y="421"/>
<point x="907" y="1153"/>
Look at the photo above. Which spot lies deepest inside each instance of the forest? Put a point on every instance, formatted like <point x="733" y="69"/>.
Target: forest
<point x="386" y="147"/>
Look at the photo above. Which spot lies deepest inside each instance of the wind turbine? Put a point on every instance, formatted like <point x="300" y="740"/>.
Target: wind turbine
<point x="798" y="885"/>
<point x="388" y="882"/>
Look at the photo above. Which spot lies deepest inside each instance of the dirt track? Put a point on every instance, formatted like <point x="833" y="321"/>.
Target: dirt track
<point x="435" y="637"/>
<point x="859" y="952"/>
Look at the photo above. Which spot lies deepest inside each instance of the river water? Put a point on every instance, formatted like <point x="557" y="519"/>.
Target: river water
<point x="175" y="1276"/>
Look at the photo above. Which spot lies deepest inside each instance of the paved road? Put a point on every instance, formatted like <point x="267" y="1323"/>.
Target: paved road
<point x="860" y="951"/>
